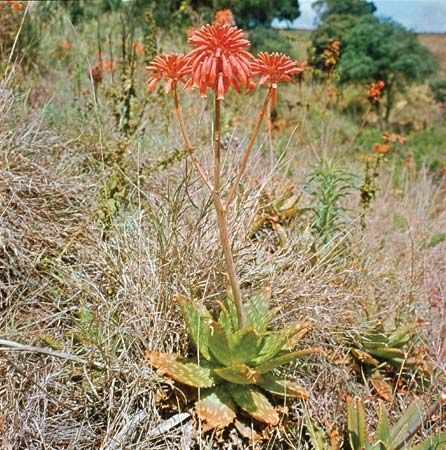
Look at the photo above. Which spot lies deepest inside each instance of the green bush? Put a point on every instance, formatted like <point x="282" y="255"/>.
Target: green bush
<point x="269" y="40"/>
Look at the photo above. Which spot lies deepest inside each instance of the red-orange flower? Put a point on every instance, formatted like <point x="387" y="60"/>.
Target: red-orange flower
<point x="224" y="18"/>
<point x="15" y="6"/>
<point x="273" y="68"/>
<point x="374" y="91"/>
<point x="138" y="48"/>
<point x="381" y="148"/>
<point x="392" y="138"/>
<point x="171" y="68"/>
<point x="219" y="60"/>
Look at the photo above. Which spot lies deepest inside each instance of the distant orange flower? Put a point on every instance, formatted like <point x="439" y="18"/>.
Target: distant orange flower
<point x="381" y="148"/>
<point x="374" y="91"/>
<point x="16" y="6"/>
<point x="138" y="48"/>
<point x="392" y="138"/>
<point x="273" y="68"/>
<point x="219" y="60"/>
<point x="224" y="18"/>
<point x="108" y="65"/>
<point x="97" y="73"/>
<point x="171" y="68"/>
<point x="64" y="45"/>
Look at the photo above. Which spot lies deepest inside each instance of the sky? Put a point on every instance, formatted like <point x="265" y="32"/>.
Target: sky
<point x="417" y="15"/>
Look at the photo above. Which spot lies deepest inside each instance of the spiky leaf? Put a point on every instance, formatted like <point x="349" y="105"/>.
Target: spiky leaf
<point x="389" y="354"/>
<point x="232" y="310"/>
<point x="364" y="357"/>
<point x="317" y="436"/>
<point x="295" y="333"/>
<point x="184" y="371"/>
<point x="383" y="429"/>
<point x="252" y="401"/>
<point x="239" y="374"/>
<point x="243" y="345"/>
<point x="399" y="338"/>
<point x="407" y="423"/>
<point x="216" y="408"/>
<point x="284" y="359"/>
<point x="225" y="320"/>
<point x="197" y="319"/>
<point x="356" y="424"/>
<point x="257" y="311"/>
<point x="219" y="345"/>
<point x="282" y="388"/>
<point x="270" y="346"/>
<point x="437" y="442"/>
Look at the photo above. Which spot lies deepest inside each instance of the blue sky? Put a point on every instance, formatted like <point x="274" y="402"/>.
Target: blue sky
<point x="418" y="15"/>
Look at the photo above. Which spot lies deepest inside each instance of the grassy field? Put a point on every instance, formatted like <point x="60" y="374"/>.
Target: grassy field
<point x="103" y="222"/>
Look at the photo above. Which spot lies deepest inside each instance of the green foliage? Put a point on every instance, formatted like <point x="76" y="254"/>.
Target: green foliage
<point x="334" y="27"/>
<point x="269" y="40"/>
<point x="384" y="51"/>
<point x="328" y="185"/>
<point x="326" y="8"/>
<point x="235" y="363"/>
<point x="386" y="437"/>
<point x="438" y="88"/>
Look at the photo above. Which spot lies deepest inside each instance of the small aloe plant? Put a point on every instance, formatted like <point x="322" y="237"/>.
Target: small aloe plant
<point x="234" y="364"/>
<point x="389" y="437"/>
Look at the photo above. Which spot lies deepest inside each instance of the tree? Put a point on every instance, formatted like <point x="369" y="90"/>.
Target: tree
<point x="248" y="13"/>
<point x="357" y="8"/>
<point x="336" y="19"/>
<point x="385" y="50"/>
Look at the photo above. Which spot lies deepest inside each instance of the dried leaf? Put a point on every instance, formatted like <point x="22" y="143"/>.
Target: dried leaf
<point x="383" y="389"/>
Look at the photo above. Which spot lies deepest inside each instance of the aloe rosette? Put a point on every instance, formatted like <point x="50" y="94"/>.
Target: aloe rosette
<point x="234" y="365"/>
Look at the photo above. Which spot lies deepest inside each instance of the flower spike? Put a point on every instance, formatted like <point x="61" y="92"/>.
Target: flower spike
<point x="273" y="68"/>
<point x="172" y="68"/>
<point x="219" y="60"/>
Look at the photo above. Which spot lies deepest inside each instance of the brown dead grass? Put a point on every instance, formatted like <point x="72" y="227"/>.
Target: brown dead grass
<point x="436" y="43"/>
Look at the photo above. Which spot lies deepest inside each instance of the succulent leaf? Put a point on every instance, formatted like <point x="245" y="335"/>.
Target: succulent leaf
<point x="295" y="333"/>
<point x="230" y="307"/>
<point x="270" y="346"/>
<point x="243" y="345"/>
<point x="219" y="345"/>
<point x="407" y="423"/>
<point x="239" y="374"/>
<point x="364" y="357"/>
<point x="257" y="310"/>
<point x="437" y="442"/>
<point x="383" y="429"/>
<point x="197" y="318"/>
<point x="282" y="388"/>
<point x="283" y="359"/>
<point x="317" y="436"/>
<point x="388" y="353"/>
<point x="252" y="401"/>
<point x="356" y="424"/>
<point x="184" y="371"/>
<point x="216" y="408"/>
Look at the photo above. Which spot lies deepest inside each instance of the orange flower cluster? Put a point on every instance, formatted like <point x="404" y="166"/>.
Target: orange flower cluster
<point x="273" y="68"/>
<point x="220" y="60"/>
<point x="14" y="5"/>
<point x="171" y="68"/>
<point x="393" y="138"/>
<point x="224" y="18"/>
<point x="331" y="54"/>
<point x="374" y="91"/>
<point x="138" y="48"/>
<point x="381" y="148"/>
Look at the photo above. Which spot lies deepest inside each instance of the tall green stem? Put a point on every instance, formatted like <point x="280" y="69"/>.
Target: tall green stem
<point x="222" y="217"/>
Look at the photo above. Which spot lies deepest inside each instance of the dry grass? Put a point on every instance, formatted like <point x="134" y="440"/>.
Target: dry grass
<point x="66" y="288"/>
<point x="436" y="43"/>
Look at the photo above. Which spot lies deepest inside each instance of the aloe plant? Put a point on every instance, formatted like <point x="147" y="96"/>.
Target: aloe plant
<point x="376" y="345"/>
<point x="275" y="210"/>
<point x="234" y="364"/>
<point x="389" y="437"/>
